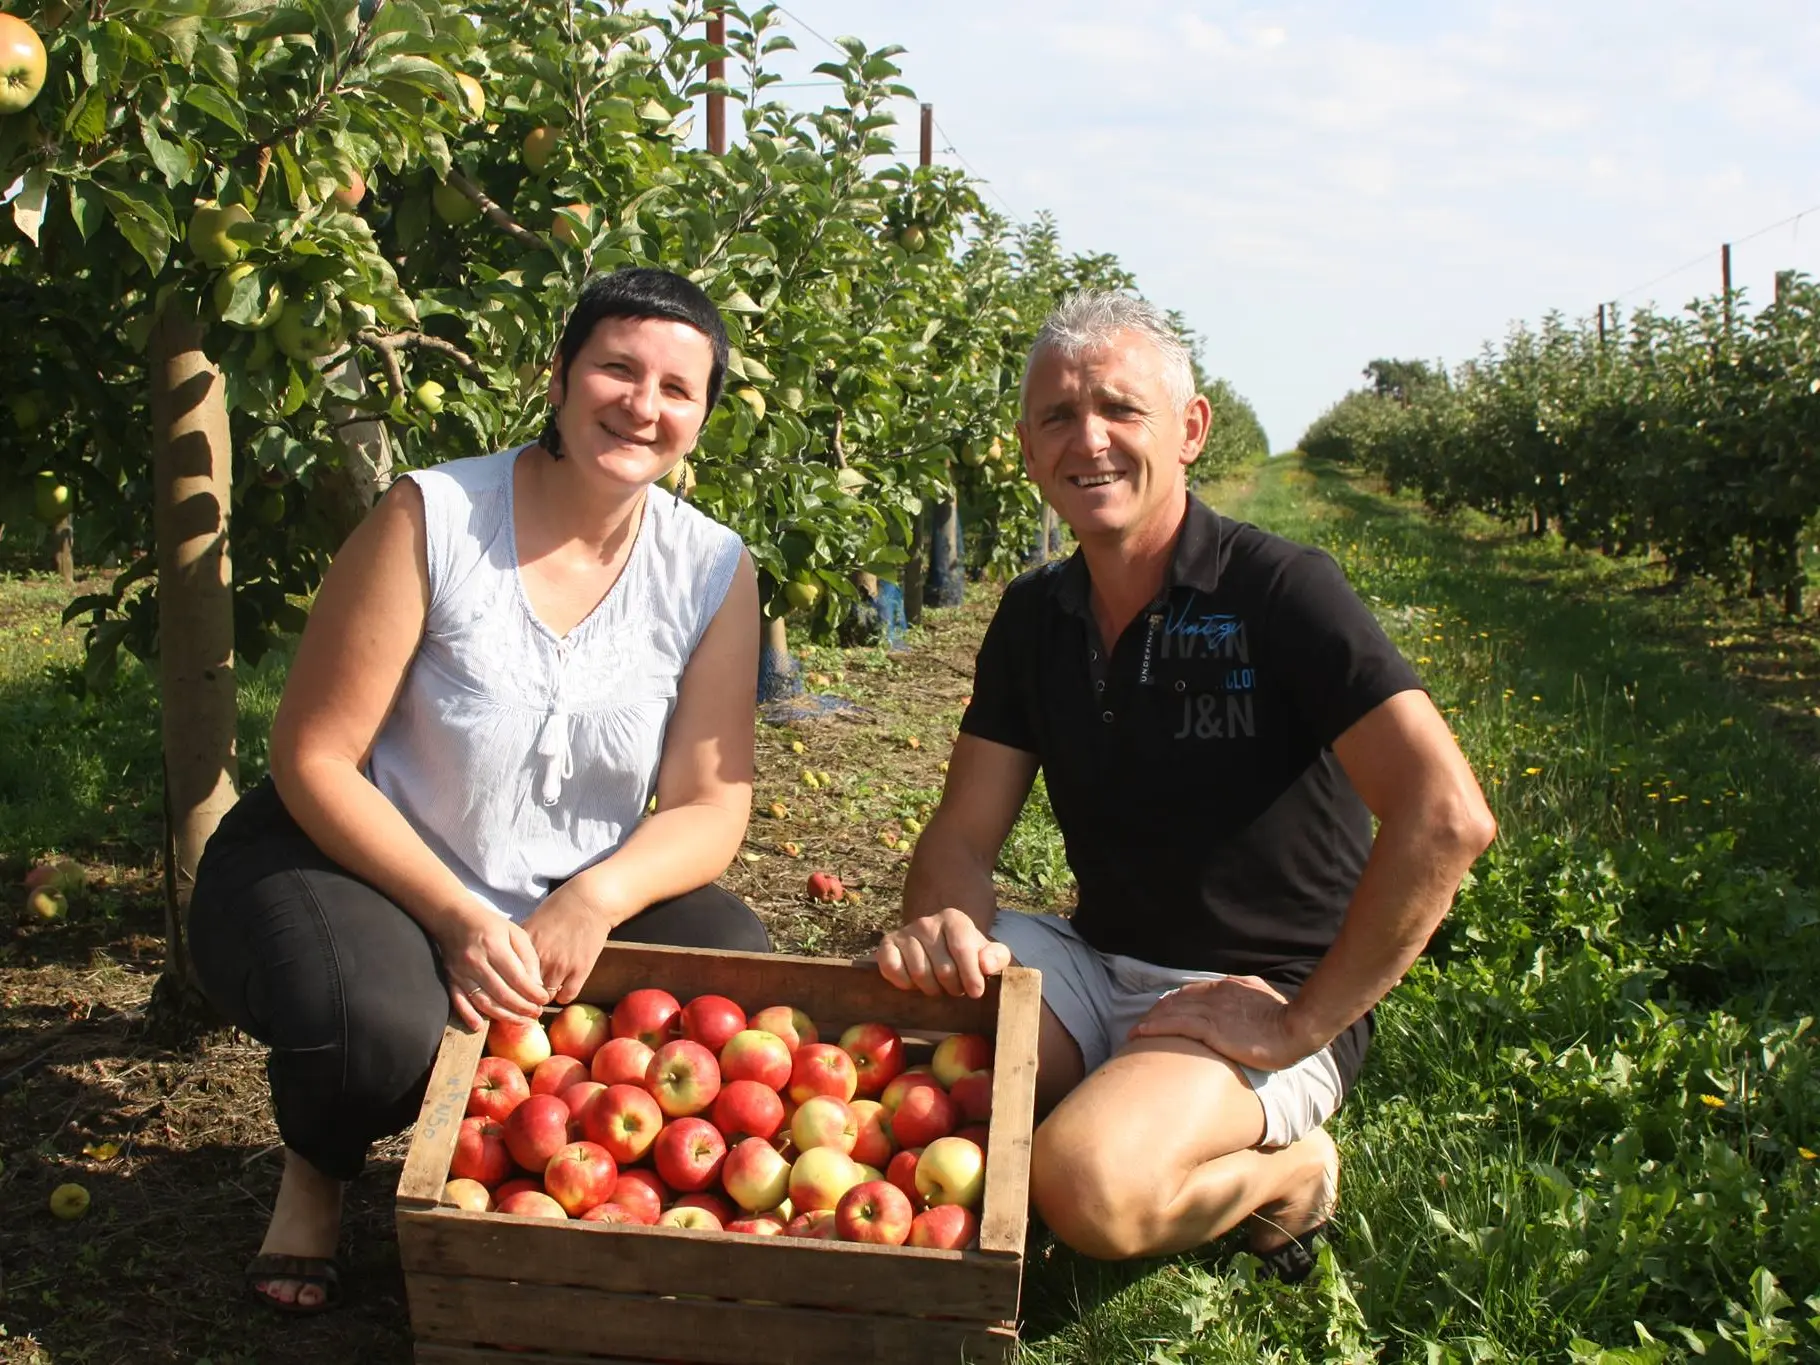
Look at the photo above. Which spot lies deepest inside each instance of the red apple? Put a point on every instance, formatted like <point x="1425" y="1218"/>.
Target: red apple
<point x="711" y="1020"/>
<point x="714" y="1203"/>
<point x="788" y="1023"/>
<point x="499" y="1085"/>
<point x="467" y="1194"/>
<point x="756" y="1055"/>
<point x="872" y="1144"/>
<point x="580" y="1176"/>
<point x="756" y="1175"/>
<point x="625" y="1120"/>
<point x="816" y="1224"/>
<point x="643" y="1193"/>
<point x="512" y="1187"/>
<point x="537" y="1130"/>
<point x="823" y="1121"/>
<point x="620" y="1061"/>
<point x="553" y="1075"/>
<point x="531" y="1204"/>
<point x="951" y="1170"/>
<point x="578" y="1097"/>
<point x="877" y="1051"/>
<point x="976" y="1133"/>
<point x="578" y="1031"/>
<point x="894" y="1093"/>
<point x="747" y="1109"/>
<point x="973" y="1093"/>
<point x="959" y="1053"/>
<point x="820" y="1176"/>
<point x="873" y="1212"/>
<point x="759" y="1225"/>
<point x="947" y="1227"/>
<point x="685" y="1216"/>
<point x="518" y="1040"/>
<point x="611" y="1212"/>
<point x="480" y="1151"/>
<point x="822" y="1069"/>
<point x="688" y="1154"/>
<point x="683" y="1077"/>
<point x="925" y="1114"/>
<point x="648" y="1015"/>
<point x="826" y="887"/>
<point x="902" y="1173"/>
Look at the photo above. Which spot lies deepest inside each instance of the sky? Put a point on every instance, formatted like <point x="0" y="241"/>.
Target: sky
<point x="1318" y="183"/>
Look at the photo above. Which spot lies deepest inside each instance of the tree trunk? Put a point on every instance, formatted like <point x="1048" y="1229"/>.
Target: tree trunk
<point x="191" y="476"/>
<point x="913" y="570"/>
<point x="63" y="547"/>
<point x="946" y="584"/>
<point x="778" y="676"/>
<point x="365" y="471"/>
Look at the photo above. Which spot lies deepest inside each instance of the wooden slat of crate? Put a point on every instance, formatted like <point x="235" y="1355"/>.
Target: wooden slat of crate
<point x="1004" y="1214"/>
<point x="629" y="1259"/>
<point x="463" y="1311"/>
<point x="426" y="1164"/>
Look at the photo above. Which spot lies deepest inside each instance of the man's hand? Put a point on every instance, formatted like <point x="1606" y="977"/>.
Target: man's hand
<point x="1243" y="1019"/>
<point x="941" y="953"/>
<point x="569" y="929"/>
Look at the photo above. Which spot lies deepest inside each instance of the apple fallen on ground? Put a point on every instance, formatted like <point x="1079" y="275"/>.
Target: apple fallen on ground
<point x="826" y="888"/>
<point x="69" y="1201"/>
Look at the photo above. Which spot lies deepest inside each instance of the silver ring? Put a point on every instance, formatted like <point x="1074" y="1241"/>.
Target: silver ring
<point x="477" y="990"/>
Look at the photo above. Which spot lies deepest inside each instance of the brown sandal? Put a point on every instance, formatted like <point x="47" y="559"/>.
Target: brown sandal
<point x="322" y="1271"/>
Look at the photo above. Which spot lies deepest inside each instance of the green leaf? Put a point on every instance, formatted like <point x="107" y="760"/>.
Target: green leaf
<point x="28" y="205"/>
<point x="87" y="118"/>
<point x="183" y="34"/>
<point x="216" y="105"/>
<point x="289" y="169"/>
<point x="174" y="162"/>
<point x="740" y="302"/>
<point x="147" y="237"/>
<point x="86" y="207"/>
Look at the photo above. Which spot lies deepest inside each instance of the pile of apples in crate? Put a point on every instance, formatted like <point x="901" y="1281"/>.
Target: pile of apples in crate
<point x="695" y="1116"/>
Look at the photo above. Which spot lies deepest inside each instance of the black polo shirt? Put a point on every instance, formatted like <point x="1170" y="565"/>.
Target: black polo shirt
<point x="1207" y="821"/>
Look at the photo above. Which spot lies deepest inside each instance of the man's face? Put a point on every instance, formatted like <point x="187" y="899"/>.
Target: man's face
<point x="1103" y="440"/>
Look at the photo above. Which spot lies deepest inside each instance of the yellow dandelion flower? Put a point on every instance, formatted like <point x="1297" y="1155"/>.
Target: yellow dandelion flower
<point x="1531" y="772"/>
<point x="1712" y="1101"/>
<point x="1726" y="721"/>
<point x="1535" y="698"/>
<point x="1807" y="1155"/>
<point x="1653" y="796"/>
<point x="1424" y="659"/>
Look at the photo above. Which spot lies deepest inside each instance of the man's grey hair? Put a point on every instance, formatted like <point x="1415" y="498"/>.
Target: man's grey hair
<point x="1092" y="318"/>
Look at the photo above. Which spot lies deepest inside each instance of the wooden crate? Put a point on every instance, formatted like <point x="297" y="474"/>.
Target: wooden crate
<point x="485" y="1287"/>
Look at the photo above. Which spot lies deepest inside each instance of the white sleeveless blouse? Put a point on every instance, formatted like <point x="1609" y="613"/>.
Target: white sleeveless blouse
<point x="519" y="757"/>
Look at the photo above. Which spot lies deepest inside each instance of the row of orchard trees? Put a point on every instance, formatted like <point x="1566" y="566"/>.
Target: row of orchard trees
<point x="1694" y="436"/>
<point x="263" y="251"/>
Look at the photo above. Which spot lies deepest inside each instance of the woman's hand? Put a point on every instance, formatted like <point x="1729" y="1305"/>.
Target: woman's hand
<point x="567" y="932"/>
<point x="492" y="968"/>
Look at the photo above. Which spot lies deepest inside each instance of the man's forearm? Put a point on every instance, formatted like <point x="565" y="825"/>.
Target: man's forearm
<point x="947" y="872"/>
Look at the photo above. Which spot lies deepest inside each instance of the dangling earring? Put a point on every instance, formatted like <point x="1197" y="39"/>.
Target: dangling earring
<point x="551" y="438"/>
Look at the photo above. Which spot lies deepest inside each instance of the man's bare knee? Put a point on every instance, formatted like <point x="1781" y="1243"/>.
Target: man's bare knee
<point x="1090" y="1197"/>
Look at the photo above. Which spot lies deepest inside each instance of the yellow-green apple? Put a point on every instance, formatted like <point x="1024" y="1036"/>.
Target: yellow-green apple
<point x="755" y="1175"/>
<point x="788" y="1023"/>
<point x="815" y="1224"/>
<point x="683" y="1078"/>
<point x="611" y="1212"/>
<point x="976" y="1133"/>
<point x="308" y="328"/>
<point x="499" y="1088"/>
<point x="688" y="1154"/>
<point x="209" y="231"/>
<point x="563" y="224"/>
<point x="913" y="239"/>
<point x="688" y="1216"/>
<point x="644" y="1192"/>
<point x="69" y="1201"/>
<point x="951" y="1170"/>
<point x="467" y="1194"/>
<point x="537" y="1130"/>
<point x="518" y="1040"/>
<point x="823" y="1121"/>
<point x="473" y="97"/>
<point x="925" y="1114"/>
<point x="711" y="1200"/>
<point x="946" y="1227"/>
<point x="539" y="147"/>
<point x="429" y="397"/>
<point x="822" y="1069"/>
<point x="649" y="1015"/>
<point x="480" y="1151"/>
<point x="875" y="1211"/>
<point x="820" y="1176"/>
<point x="759" y="1225"/>
<point x="580" y="1176"/>
<point x="957" y="1054"/>
<point x="22" y="61"/>
<point x="872" y="1144"/>
<point x="747" y="1109"/>
<point x="454" y="207"/>
<point x="51" y="497"/>
<point x="755" y="1054"/>
<point x="620" y="1061"/>
<point x="901" y="1172"/>
<point x="56" y="874"/>
<point x="711" y="1020"/>
<point x="350" y="194"/>
<point x="578" y="1031"/>
<point x="271" y="298"/>
<point x="517" y="1185"/>
<point x="625" y="1120"/>
<point x="531" y="1204"/>
<point x="893" y="1094"/>
<point x="973" y="1093"/>
<point x="553" y="1075"/>
<point x="823" y="886"/>
<point x="46" y="904"/>
<point x="877" y="1051"/>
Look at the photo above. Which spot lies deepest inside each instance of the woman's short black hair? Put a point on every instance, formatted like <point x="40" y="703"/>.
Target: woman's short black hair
<point x="640" y="292"/>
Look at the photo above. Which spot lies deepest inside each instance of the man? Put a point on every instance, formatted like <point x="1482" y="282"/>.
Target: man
<point x="1218" y="718"/>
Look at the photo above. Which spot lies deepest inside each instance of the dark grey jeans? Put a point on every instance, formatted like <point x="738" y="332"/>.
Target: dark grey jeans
<point x="345" y="987"/>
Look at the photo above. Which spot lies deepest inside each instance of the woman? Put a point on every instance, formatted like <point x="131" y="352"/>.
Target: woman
<point x="505" y="662"/>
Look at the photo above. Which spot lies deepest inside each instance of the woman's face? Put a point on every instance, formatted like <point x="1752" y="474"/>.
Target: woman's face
<point x="635" y="398"/>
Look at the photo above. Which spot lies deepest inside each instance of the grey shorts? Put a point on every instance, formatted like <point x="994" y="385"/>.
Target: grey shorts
<point x="1099" y="996"/>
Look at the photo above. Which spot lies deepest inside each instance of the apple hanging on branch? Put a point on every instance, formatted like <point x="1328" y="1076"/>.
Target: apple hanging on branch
<point x="22" y="63"/>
